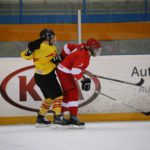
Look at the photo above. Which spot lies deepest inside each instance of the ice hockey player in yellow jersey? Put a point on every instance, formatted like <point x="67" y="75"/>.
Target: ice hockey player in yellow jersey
<point x="42" y="51"/>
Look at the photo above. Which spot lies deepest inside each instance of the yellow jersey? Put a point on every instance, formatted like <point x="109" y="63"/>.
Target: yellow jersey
<point x="41" y="58"/>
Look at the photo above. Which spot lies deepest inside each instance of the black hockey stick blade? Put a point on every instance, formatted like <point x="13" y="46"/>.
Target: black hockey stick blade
<point x="146" y="113"/>
<point x="140" y="83"/>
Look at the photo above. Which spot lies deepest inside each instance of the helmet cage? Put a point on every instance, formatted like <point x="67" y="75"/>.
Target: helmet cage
<point x="95" y="51"/>
<point x="94" y="47"/>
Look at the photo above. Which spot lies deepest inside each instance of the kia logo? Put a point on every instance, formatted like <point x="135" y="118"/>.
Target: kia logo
<point x="29" y="88"/>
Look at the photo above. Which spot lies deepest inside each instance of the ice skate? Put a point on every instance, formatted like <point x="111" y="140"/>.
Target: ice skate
<point x="42" y="122"/>
<point x="75" y="123"/>
<point x="59" y="121"/>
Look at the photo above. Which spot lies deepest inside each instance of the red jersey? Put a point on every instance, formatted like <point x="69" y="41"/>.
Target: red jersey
<point x="68" y="48"/>
<point x="75" y="61"/>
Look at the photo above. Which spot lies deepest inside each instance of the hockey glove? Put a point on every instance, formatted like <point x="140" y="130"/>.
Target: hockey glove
<point x="57" y="59"/>
<point x="86" y="84"/>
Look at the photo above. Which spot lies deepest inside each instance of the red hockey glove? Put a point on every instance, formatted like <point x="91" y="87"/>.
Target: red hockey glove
<point x="86" y="84"/>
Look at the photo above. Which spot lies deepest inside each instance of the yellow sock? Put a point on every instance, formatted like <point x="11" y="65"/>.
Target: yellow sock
<point x="56" y="105"/>
<point x="45" y="106"/>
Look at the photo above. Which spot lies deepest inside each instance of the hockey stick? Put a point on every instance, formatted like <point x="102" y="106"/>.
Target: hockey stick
<point x="136" y="109"/>
<point x="140" y="83"/>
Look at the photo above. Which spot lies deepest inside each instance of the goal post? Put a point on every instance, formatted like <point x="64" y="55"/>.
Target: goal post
<point x="79" y="27"/>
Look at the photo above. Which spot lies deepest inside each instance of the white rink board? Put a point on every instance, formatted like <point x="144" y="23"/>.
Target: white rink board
<point x="14" y="78"/>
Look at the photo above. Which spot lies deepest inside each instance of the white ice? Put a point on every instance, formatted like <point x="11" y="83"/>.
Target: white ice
<point x="95" y="136"/>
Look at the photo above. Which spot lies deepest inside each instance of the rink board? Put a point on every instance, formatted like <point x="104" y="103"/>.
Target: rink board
<point x="20" y="97"/>
<point x="108" y="117"/>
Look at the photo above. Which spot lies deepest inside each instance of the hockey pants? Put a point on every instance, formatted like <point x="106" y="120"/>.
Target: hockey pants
<point x="70" y="92"/>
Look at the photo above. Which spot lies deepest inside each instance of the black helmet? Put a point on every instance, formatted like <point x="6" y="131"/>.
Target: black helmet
<point x="47" y="34"/>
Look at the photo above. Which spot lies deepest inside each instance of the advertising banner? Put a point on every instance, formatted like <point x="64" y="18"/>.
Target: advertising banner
<point x="119" y="84"/>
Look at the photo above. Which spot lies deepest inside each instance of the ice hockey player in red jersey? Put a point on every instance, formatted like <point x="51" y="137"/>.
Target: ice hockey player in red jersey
<point x="75" y="59"/>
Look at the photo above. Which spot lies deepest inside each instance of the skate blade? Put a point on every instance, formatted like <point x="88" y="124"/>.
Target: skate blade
<point x="40" y="125"/>
<point x="76" y="126"/>
<point x="58" y="126"/>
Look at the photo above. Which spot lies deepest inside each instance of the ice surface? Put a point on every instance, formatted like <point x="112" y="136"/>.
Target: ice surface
<point x="95" y="136"/>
